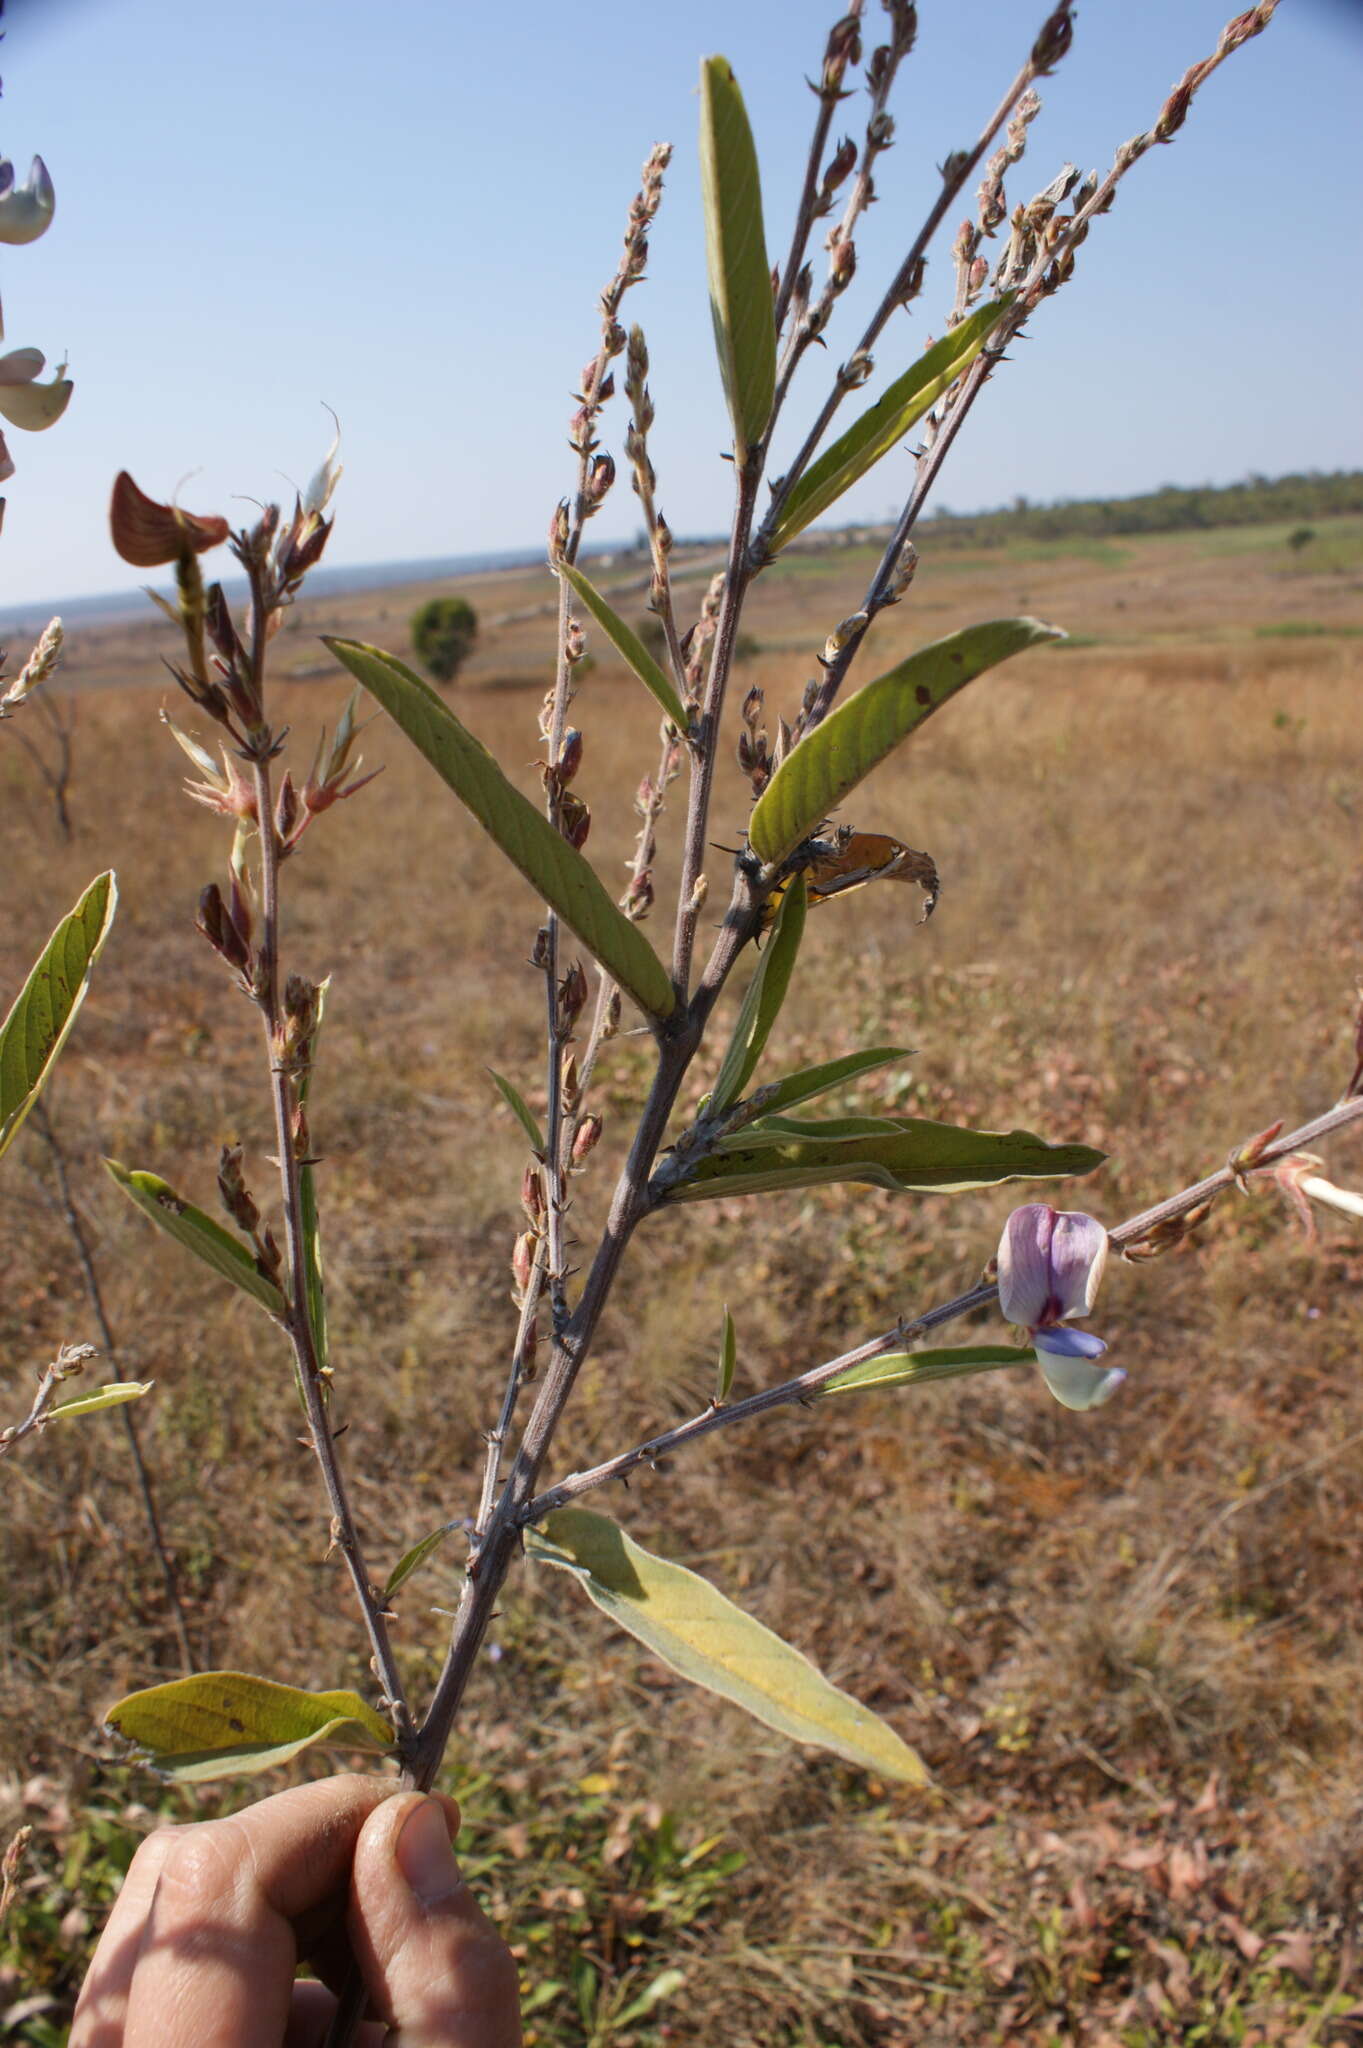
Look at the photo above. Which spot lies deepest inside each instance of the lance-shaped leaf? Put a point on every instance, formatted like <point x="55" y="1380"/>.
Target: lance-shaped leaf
<point x="412" y="1559"/>
<point x="736" y="255"/>
<point x="198" y="1233"/>
<point x="913" y="1368"/>
<point x="307" y="1205"/>
<point x="224" y="1724"/>
<point x="728" y="1358"/>
<point x="45" y="1009"/>
<point x="516" y="1103"/>
<point x="762" y="1003"/>
<point x="906" y="1154"/>
<point x="807" y="1082"/>
<point x="112" y="1396"/>
<point x="627" y="643"/>
<point x="565" y="880"/>
<point x="884" y="425"/>
<point x="830" y="761"/>
<point x="686" y="1622"/>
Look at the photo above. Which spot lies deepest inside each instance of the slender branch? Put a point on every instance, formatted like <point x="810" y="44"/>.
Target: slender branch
<point x="843" y="44"/>
<point x="296" y="1320"/>
<point x="691" y="894"/>
<point x="907" y="281"/>
<point x="94" y="1294"/>
<point x="1135" y="1230"/>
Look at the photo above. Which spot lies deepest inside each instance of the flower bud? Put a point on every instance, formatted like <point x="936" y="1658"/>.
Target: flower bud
<point x="570" y="759"/>
<point x="558" y="532"/>
<point x="575" y="820"/>
<point x="585" y="1138"/>
<point x="523" y="1260"/>
<point x="532" y="1194"/>
<point x="572" y="996"/>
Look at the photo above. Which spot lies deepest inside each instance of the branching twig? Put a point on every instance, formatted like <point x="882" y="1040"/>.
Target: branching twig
<point x="42" y="1122"/>
<point x="67" y="1362"/>
<point x="1136" y="1230"/>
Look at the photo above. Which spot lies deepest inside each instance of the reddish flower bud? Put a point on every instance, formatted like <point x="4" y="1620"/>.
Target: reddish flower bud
<point x="572" y="995"/>
<point x="523" y="1260"/>
<point x="585" y="1138"/>
<point x="570" y="759"/>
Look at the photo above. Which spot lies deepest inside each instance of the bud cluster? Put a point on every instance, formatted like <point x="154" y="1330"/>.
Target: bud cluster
<point x="237" y="1200"/>
<point x="35" y="671"/>
<point x="754" y="752"/>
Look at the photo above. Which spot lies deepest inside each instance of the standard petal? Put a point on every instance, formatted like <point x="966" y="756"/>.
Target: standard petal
<point x="1078" y="1258"/>
<point x="1025" y="1264"/>
<point x="21" y="365"/>
<point x="6" y="463"/>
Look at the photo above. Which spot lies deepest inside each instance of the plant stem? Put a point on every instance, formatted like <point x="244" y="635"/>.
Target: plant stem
<point x="806" y="1384"/>
<point x="95" y="1296"/>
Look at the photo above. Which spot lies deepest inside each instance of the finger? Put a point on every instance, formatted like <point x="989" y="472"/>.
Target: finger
<point x="436" y="1967"/>
<point x="310" y="2016"/>
<point x="103" y="2000"/>
<point x="216" y="1959"/>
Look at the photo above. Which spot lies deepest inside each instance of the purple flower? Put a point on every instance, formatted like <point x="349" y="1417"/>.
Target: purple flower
<point x="1050" y="1269"/>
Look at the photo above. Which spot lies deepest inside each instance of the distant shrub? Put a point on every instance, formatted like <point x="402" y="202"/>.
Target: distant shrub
<point x="651" y="633"/>
<point x="1300" y="537"/>
<point x="443" y="633"/>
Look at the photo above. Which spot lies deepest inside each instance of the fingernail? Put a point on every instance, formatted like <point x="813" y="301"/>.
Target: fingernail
<point x="424" y="1855"/>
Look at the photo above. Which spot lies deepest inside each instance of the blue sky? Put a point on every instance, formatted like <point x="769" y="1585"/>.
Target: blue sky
<point x="407" y="213"/>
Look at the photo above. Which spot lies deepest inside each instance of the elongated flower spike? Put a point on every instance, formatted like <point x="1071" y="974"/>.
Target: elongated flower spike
<point x="1050" y="1269"/>
<point x="25" y="210"/>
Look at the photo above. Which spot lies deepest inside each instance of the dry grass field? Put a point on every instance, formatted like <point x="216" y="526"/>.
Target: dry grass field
<point x="1129" y="1644"/>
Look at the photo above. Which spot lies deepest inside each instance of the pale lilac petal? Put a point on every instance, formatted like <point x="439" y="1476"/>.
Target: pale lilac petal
<point x="1078" y="1257"/>
<point x="1025" y="1265"/>
<point x="1065" y="1358"/>
<point x="6" y="464"/>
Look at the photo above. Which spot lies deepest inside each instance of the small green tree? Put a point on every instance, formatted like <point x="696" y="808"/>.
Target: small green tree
<point x="443" y="633"/>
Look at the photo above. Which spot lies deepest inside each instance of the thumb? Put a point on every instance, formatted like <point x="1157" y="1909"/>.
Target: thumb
<point x="436" y="1968"/>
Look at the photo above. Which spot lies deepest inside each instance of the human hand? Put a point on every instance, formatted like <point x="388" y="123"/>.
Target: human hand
<point x="213" y="1920"/>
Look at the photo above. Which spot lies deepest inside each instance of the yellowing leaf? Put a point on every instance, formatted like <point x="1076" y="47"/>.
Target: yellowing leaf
<point x="686" y="1622"/>
<point x="829" y="762"/>
<point x="565" y="880"/>
<point x="736" y="255"/>
<point x="45" y="1008"/>
<point x="112" y="1396"/>
<point x="222" y="1724"/>
<point x="198" y="1233"/>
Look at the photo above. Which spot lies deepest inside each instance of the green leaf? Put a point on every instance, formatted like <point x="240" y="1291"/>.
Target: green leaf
<point x="224" y="1724"/>
<point x="112" y="1396"/>
<point x="910" y="1368"/>
<point x="515" y="1102"/>
<point x="807" y="1082"/>
<point x="628" y="643"/>
<point x="307" y="1203"/>
<point x="663" y="1986"/>
<point x="884" y="425"/>
<point x="736" y="255"/>
<point x="697" y="1632"/>
<point x="198" y="1233"/>
<point x="563" y="878"/>
<point x="906" y="1154"/>
<point x="728" y="1358"/>
<point x="417" y="1555"/>
<point x="45" y="1009"/>
<point x="830" y="761"/>
<point x="762" y="1003"/>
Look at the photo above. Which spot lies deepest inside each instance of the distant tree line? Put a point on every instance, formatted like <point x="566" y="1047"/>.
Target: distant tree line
<point x="1174" y="508"/>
